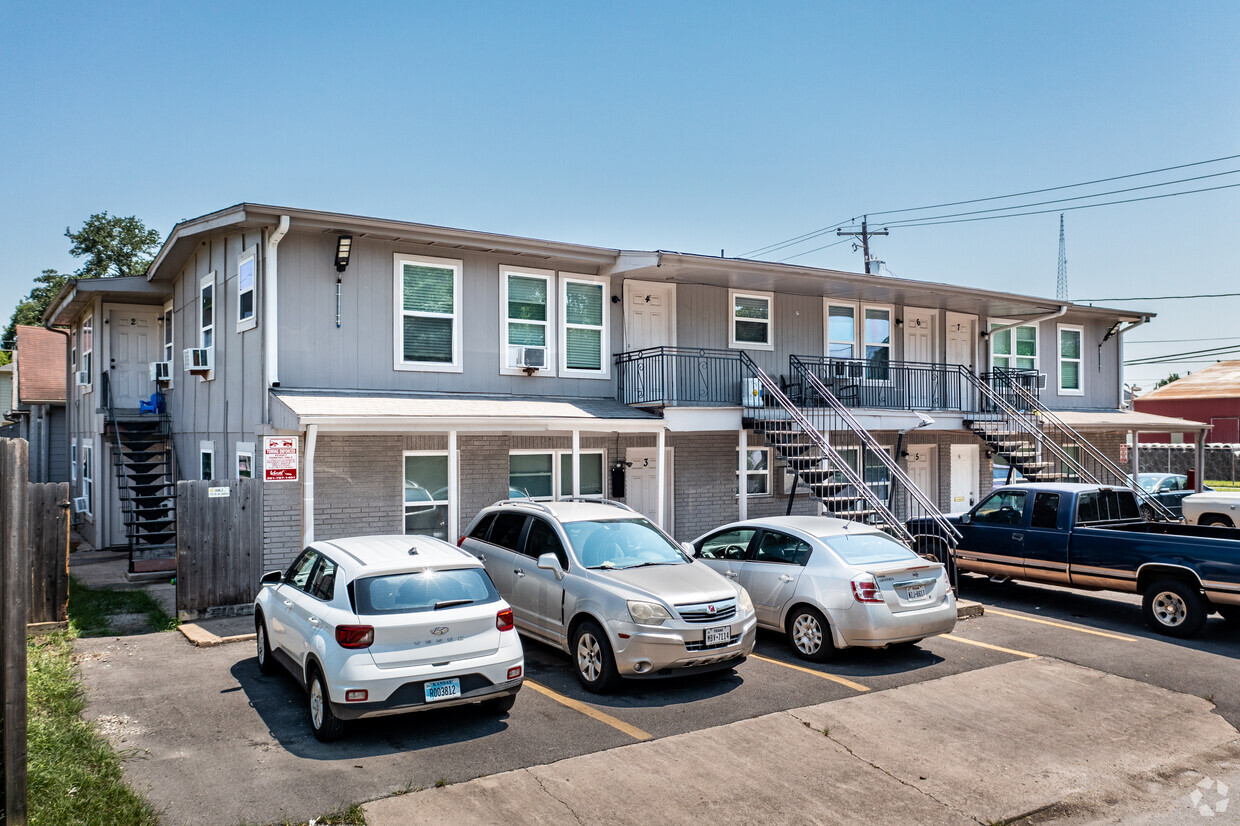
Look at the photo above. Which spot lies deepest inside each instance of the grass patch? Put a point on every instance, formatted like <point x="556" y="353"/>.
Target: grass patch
<point x="74" y="776"/>
<point x="1222" y="484"/>
<point x="351" y="816"/>
<point x="91" y="608"/>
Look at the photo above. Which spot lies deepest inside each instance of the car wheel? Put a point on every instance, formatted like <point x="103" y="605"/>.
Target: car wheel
<point x="325" y="724"/>
<point x="810" y="635"/>
<point x="266" y="662"/>
<point x="500" y="705"/>
<point x="596" y="665"/>
<point x="1174" y="608"/>
<point x="1216" y="521"/>
<point x="1147" y="513"/>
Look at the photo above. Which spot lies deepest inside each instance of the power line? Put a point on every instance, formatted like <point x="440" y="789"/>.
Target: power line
<point x="1177" y="340"/>
<point x="1158" y="298"/>
<point x="780" y="244"/>
<point x="815" y="249"/>
<point x="1170" y="358"/>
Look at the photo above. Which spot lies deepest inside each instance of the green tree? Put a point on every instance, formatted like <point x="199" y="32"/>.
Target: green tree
<point x="113" y="245"/>
<point x="30" y="309"/>
<point x="1168" y="380"/>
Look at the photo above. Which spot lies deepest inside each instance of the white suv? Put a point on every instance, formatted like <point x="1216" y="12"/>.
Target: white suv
<point x="599" y="581"/>
<point x="378" y="625"/>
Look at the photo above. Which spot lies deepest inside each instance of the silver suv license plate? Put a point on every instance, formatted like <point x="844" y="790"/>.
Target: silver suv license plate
<point x="442" y="689"/>
<point x="718" y="636"/>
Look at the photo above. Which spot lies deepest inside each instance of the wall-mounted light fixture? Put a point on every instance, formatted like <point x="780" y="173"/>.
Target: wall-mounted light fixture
<point x="344" y="246"/>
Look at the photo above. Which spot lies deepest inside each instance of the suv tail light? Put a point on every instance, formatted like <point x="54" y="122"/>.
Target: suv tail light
<point x="865" y="589"/>
<point x="355" y="636"/>
<point x="503" y="620"/>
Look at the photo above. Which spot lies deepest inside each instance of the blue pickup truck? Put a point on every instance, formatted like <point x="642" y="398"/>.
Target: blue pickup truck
<point x="1093" y="537"/>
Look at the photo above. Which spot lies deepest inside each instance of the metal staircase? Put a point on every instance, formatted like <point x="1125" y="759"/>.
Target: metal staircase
<point x="144" y="465"/>
<point x="842" y="464"/>
<point x="1040" y="445"/>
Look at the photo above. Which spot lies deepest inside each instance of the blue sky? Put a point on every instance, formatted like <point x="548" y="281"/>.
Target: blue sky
<point x="685" y="126"/>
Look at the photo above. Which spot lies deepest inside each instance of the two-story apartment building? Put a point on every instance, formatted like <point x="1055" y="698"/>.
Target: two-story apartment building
<point x="421" y="373"/>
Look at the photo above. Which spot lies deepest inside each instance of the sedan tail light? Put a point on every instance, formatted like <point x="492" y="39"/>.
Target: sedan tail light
<point x="947" y="581"/>
<point x="865" y="589"/>
<point x="355" y="636"/>
<point x="503" y="620"/>
<point x="460" y="541"/>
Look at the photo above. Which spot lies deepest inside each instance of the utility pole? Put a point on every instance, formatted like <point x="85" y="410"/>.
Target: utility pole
<point x="864" y="234"/>
<point x="1061" y="286"/>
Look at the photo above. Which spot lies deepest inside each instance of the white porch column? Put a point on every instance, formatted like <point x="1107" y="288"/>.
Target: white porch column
<point x="742" y="482"/>
<point x="454" y="495"/>
<point x="1136" y="458"/>
<point x="660" y="510"/>
<point x="1200" y="462"/>
<point x="576" y="470"/>
<point x="307" y="487"/>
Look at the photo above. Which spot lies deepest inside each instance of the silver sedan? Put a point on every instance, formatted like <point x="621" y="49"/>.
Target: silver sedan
<point x="831" y="583"/>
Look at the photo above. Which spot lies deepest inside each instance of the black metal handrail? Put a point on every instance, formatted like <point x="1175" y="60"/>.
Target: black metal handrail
<point x="680" y="376"/>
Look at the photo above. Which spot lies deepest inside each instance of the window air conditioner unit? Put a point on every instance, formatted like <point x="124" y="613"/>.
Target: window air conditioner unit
<point x="198" y="359"/>
<point x="79" y="504"/>
<point x="531" y="357"/>
<point x="82" y="378"/>
<point x="161" y="371"/>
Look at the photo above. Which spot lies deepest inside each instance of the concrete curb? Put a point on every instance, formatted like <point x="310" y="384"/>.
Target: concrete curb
<point x="203" y="638"/>
<point x="967" y="610"/>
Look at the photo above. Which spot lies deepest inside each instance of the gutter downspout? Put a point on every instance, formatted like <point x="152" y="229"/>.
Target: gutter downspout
<point x="271" y="361"/>
<point x="1027" y="322"/>
<point x="307" y="488"/>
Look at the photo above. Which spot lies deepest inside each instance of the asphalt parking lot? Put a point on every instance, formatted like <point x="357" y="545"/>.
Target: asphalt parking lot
<point x="213" y="741"/>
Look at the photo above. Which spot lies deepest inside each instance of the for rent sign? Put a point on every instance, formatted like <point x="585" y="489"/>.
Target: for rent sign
<point x="280" y="458"/>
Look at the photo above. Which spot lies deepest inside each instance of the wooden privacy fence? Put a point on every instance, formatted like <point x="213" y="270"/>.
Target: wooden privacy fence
<point x="49" y="552"/>
<point x="219" y="547"/>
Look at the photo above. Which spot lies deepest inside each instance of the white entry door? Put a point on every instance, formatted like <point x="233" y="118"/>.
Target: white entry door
<point x="962" y="350"/>
<point x="922" y="469"/>
<point x="649" y="315"/>
<point x="920" y="346"/>
<point x="964" y="475"/>
<point x="133" y="343"/>
<point x="642" y="485"/>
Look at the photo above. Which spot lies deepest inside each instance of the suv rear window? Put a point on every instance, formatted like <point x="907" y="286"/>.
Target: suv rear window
<point x="422" y="591"/>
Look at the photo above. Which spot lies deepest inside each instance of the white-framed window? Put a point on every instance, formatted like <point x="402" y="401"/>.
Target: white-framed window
<point x="1071" y="376"/>
<point x="88" y="475"/>
<point x="426" y="493"/>
<point x="876" y="338"/>
<point x="527" y="310"/>
<point x="247" y="293"/>
<point x="73" y="342"/>
<point x="1015" y="348"/>
<point x="841" y="332"/>
<point x="548" y="474"/>
<point x="73" y="460"/>
<point x="206" y="460"/>
<point x="165" y="322"/>
<point x="245" y="460"/>
<point x="428" y="313"/>
<point x="875" y="473"/>
<point x="584" y="312"/>
<point x="88" y="350"/>
<point x="752" y="320"/>
<point x="206" y="311"/>
<point x="757" y="471"/>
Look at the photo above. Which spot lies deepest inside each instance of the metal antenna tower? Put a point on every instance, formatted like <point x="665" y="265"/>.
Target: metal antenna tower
<point x="1061" y="286"/>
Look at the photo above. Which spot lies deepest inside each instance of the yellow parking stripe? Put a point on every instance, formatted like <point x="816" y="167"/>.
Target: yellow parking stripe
<point x="1068" y="626"/>
<point x="988" y="645"/>
<point x="823" y="674"/>
<point x="590" y="711"/>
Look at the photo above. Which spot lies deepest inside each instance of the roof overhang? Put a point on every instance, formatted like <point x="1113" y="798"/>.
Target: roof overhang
<point x="1127" y="420"/>
<point x="745" y="274"/>
<point x="77" y="294"/>
<point x="370" y="412"/>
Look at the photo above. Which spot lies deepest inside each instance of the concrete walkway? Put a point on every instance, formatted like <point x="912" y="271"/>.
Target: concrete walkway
<point x="992" y="745"/>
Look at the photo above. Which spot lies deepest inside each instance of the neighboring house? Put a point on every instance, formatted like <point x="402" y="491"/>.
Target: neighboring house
<point x="39" y="375"/>
<point x="428" y="372"/>
<point x="8" y="398"/>
<point x="1210" y="396"/>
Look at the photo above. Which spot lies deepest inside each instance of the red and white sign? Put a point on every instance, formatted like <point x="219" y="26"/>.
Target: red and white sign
<point x="279" y="458"/>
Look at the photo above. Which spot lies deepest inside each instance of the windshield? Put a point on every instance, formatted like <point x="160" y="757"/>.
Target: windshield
<point x="1148" y="481"/>
<point x="869" y="548"/>
<point x="422" y="591"/>
<point x="621" y="543"/>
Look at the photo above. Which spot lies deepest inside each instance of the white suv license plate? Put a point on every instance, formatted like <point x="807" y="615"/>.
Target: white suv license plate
<point x="916" y="592"/>
<point x="718" y="636"/>
<point x="442" y="689"/>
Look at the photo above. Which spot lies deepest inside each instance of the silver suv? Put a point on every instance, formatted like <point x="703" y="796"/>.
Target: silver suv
<point x="598" y="580"/>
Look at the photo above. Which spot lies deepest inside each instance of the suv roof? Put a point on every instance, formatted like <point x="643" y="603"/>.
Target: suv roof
<point x="577" y="510"/>
<point x="375" y="554"/>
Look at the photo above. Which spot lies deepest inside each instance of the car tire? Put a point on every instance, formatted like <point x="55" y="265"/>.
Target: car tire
<point x="1216" y="521"/>
<point x="1174" y="608"/>
<point x="809" y="633"/>
<point x="323" y="722"/>
<point x="500" y="705"/>
<point x="266" y="660"/>
<point x="1147" y="513"/>
<point x="592" y="657"/>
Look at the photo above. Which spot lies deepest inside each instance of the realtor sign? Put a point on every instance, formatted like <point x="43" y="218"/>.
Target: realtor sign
<point x="279" y="458"/>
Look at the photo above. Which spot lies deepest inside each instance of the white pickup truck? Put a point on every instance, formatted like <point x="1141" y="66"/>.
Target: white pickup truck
<point x="1213" y="508"/>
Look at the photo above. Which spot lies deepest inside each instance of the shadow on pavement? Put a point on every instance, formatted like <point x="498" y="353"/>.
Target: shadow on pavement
<point x="851" y="662"/>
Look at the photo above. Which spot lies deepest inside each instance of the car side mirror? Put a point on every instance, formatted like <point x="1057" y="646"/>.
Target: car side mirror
<point x="688" y="548"/>
<point x="551" y="563"/>
<point x="966" y="518"/>
<point x="272" y="578"/>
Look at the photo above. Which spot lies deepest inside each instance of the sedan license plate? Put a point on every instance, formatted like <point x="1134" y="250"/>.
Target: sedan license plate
<point x="718" y="636"/>
<point x="915" y="592"/>
<point x="442" y="689"/>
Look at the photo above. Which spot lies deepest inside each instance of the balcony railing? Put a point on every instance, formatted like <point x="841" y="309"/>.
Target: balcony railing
<point x="704" y="377"/>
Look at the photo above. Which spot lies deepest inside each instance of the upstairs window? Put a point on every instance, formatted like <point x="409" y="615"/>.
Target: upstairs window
<point x="584" y="305"/>
<point x="206" y="312"/>
<point x="841" y="330"/>
<point x="88" y="345"/>
<point x="1014" y="349"/>
<point x="877" y="342"/>
<point x="752" y="316"/>
<point x="527" y="303"/>
<point x="428" y="321"/>
<point x="1070" y="379"/>
<point x="167" y="332"/>
<point x="246" y="293"/>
